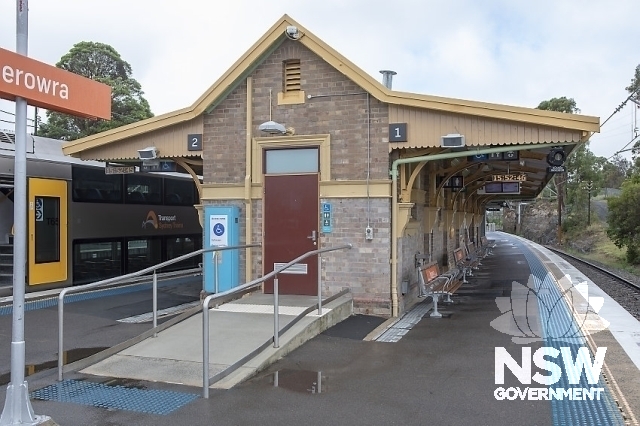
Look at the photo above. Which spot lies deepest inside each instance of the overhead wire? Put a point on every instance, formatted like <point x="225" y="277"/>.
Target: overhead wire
<point x="12" y="114"/>
<point x="617" y="110"/>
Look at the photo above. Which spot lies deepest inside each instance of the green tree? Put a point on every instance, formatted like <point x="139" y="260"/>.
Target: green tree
<point x="562" y="104"/>
<point x="634" y="87"/>
<point x="615" y="171"/>
<point x="584" y="170"/>
<point x="634" y="90"/>
<point x="624" y="220"/>
<point x="568" y="105"/>
<point x="99" y="62"/>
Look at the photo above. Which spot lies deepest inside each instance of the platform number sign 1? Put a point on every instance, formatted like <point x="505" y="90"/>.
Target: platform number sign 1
<point x="194" y="142"/>
<point x="398" y="132"/>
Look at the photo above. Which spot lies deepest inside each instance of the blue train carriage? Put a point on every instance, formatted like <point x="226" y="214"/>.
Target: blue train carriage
<point x="85" y="225"/>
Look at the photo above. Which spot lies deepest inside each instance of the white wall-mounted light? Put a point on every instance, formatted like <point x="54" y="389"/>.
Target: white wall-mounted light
<point x="272" y="128"/>
<point x="148" y="153"/>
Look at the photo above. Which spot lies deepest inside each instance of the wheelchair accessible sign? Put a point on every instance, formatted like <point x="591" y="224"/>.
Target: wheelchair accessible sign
<point x="218" y="235"/>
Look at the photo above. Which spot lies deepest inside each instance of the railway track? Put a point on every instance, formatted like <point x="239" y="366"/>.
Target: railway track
<point x="623" y="289"/>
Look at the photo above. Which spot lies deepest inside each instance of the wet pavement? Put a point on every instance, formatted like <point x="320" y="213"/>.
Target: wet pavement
<point x="442" y="371"/>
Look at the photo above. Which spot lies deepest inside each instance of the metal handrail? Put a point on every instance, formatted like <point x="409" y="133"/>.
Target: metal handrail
<point x="247" y="286"/>
<point x="107" y="283"/>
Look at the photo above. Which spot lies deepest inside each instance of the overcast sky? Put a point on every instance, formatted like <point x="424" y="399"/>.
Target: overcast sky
<point x="501" y="51"/>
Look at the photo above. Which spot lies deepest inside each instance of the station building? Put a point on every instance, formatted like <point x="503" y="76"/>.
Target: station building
<point x="316" y="153"/>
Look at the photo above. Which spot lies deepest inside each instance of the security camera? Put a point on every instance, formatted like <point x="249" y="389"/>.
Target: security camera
<point x="148" y="153"/>
<point x="292" y="32"/>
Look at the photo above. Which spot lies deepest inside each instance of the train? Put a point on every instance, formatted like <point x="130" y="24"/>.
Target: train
<point x="85" y="225"/>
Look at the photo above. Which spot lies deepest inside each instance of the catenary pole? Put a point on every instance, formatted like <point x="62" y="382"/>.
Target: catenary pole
<point x="17" y="407"/>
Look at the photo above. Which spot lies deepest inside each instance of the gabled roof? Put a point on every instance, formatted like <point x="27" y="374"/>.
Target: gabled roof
<point x="272" y="39"/>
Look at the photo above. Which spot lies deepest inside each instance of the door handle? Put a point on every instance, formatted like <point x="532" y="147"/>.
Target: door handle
<point x="313" y="237"/>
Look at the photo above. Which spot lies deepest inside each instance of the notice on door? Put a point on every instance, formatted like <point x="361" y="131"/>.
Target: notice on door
<point x="218" y="235"/>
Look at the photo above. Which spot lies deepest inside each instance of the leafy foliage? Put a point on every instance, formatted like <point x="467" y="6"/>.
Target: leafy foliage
<point x="634" y="87"/>
<point x="99" y="62"/>
<point x="562" y="104"/>
<point x="568" y="105"/>
<point x="624" y="220"/>
<point x="635" y="82"/>
<point x="584" y="171"/>
<point x="615" y="171"/>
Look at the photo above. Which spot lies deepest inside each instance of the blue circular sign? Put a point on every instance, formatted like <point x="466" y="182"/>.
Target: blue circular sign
<point x="218" y="229"/>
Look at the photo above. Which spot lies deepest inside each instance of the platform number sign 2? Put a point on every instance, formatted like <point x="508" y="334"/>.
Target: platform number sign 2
<point x="194" y="142"/>
<point x="398" y="132"/>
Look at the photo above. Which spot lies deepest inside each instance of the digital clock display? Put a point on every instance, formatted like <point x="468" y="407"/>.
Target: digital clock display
<point x="510" y="178"/>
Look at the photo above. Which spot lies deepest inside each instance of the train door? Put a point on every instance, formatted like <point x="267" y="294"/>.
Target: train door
<point x="47" y="236"/>
<point x="291" y="218"/>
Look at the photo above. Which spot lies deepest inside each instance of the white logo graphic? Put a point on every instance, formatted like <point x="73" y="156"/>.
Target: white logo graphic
<point x="566" y="314"/>
<point x="528" y="310"/>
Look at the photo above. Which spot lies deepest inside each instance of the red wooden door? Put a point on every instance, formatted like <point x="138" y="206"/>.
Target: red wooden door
<point x="291" y="217"/>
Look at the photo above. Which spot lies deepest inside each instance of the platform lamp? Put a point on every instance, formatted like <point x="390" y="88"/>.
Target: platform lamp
<point x="273" y="128"/>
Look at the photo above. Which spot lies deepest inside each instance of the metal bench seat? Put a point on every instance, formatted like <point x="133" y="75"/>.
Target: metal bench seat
<point x="435" y="284"/>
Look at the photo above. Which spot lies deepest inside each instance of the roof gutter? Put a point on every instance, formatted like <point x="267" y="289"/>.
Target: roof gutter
<point x="394" y="200"/>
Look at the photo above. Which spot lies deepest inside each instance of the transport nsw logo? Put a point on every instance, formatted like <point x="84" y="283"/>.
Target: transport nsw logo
<point x="561" y="317"/>
<point x="160" y="221"/>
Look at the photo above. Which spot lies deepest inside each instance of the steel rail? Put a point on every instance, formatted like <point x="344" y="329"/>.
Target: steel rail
<point x="110" y="282"/>
<point x="598" y="268"/>
<point x="247" y="286"/>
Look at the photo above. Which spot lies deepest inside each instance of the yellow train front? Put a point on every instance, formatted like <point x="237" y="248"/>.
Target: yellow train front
<point x="84" y="225"/>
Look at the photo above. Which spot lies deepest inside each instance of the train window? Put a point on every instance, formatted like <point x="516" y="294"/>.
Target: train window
<point x="181" y="245"/>
<point x="47" y="229"/>
<point x="93" y="185"/>
<point x="179" y="192"/>
<point x="96" y="260"/>
<point x="142" y="253"/>
<point x="143" y="189"/>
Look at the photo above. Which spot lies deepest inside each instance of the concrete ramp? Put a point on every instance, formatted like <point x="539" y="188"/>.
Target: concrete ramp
<point x="237" y="330"/>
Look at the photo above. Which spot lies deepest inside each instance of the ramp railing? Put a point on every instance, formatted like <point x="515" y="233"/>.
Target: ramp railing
<point x="206" y="380"/>
<point x="111" y="282"/>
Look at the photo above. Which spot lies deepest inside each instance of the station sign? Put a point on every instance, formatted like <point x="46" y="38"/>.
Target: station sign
<point x="499" y="188"/>
<point x="218" y="235"/>
<point x="454" y="182"/>
<point x="55" y="89"/>
<point x="495" y="156"/>
<point x="556" y="169"/>
<point x="326" y="218"/>
<point x="158" y="166"/>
